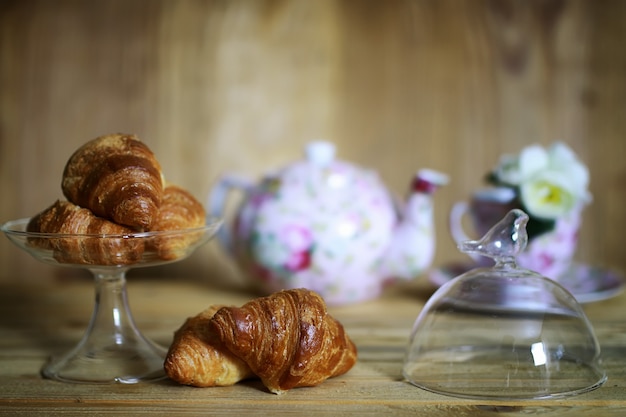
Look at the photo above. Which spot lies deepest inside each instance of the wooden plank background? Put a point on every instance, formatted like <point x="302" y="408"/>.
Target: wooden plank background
<point x="238" y="85"/>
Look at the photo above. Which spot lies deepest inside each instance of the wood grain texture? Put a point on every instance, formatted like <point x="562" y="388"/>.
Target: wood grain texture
<point x="216" y="86"/>
<point x="35" y="324"/>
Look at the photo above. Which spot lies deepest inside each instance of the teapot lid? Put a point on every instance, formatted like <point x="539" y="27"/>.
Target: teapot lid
<point x="320" y="152"/>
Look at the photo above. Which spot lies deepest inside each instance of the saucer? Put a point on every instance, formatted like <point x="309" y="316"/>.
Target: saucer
<point x="587" y="283"/>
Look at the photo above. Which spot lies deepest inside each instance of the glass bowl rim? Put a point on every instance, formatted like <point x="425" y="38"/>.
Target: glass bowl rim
<point x="18" y="228"/>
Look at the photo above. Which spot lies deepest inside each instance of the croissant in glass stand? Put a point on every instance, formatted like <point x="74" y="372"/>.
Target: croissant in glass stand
<point x="78" y="241"/>
<point x="179" y="210"/>
<point x="117" y="177"/>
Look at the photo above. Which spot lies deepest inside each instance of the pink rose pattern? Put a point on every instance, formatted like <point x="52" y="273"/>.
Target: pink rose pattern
<point x="299" y="242"/>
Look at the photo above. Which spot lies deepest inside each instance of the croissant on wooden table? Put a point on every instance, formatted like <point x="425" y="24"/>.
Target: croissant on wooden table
<point x="197" y="357"/>
<point x="117" y="177"/>
<point x="287" y="339"/>
<point x="66" y="218"/>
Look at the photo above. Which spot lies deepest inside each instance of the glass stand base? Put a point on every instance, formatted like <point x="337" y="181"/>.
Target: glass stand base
<point x="112" y="348"/>
<point x="109" y="364"/>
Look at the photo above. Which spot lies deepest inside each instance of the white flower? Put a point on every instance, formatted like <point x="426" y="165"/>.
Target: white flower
<point x="551" y="182"/>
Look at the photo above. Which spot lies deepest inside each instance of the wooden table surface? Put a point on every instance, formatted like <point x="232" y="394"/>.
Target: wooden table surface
<point x="36" y="321"/>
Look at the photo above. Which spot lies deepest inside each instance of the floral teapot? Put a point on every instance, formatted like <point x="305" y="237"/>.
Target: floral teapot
<point x="329" y="226"/>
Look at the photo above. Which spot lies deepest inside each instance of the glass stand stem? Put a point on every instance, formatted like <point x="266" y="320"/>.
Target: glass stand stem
<point x="112" y="348"/>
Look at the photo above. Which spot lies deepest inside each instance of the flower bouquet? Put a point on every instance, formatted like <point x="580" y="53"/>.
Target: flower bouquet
<point x="551" y="185"/>
<point x="547" y="183"/>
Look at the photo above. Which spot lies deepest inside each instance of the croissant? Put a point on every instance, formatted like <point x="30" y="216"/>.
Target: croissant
<point x="179" y="210"/>
<point x="198" y="358"/>
<point x="67" y="218"/>
<point x="287" y="339"/>
<point x="117" y="177"/>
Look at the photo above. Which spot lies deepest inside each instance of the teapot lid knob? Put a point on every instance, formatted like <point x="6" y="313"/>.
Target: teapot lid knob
<point x="320" y="152"/>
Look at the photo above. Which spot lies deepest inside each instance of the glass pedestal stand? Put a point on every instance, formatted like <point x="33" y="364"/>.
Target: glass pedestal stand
<point x="112" y="348"/>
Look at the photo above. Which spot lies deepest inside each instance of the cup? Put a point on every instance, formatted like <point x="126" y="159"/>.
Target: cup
<point x="549" y="254"/>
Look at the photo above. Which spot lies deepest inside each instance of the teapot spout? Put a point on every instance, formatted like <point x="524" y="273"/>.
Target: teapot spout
<point x="412" y="246"/>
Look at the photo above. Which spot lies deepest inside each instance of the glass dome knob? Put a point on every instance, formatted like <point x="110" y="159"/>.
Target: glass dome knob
<point x="504" y="241"/>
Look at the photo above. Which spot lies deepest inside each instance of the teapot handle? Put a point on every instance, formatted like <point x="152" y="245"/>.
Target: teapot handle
<point x="216" y="202"/>
<point x="455" y="223"/>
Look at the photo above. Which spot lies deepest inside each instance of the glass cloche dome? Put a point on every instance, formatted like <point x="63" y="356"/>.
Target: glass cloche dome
<point x="503" y="332"/>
